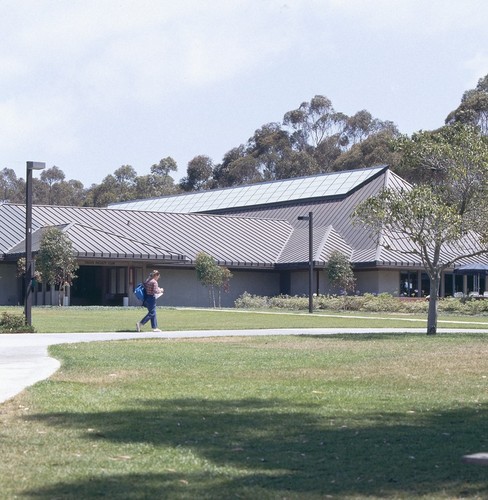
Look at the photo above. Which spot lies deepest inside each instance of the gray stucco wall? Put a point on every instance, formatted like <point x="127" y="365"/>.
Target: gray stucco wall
<point x="389" y="281"/>
<point x="182" y="288"/>
<point x="374" y="281"/>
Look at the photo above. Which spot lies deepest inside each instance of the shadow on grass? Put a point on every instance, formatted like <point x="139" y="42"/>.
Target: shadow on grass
<point x="278" y="449"/>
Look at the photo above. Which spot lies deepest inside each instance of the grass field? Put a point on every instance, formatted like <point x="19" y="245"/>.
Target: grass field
<point x="261" y="418"/>
<point x="122" y="319"/>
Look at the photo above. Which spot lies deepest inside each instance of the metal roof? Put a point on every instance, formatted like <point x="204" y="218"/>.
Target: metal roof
<point x="335" y="184"/>
<point x="124" y="234"/>
<point x="262" y="236"/>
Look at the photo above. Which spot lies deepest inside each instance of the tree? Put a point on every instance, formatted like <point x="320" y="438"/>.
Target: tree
<point x="473" y="109"/>
<point x="51" y="177"/>
<point x="164" y="167"/>
<point x="125" y="181"/>
<point x="154" y="185"/>
<point x="374" y="150"/>
<point x="314" y="121"/>
<point x="55" y="260"/>
<point x="212" y="276"/>
<point x="198" y="174"/>
<point x="237" y="167"/>
<point x="340" y="273"/>
<point x="11" y="188"/>
<point x="333" y="139"/>
<point x="444" y="218"/>
<point x="100" y="195"/>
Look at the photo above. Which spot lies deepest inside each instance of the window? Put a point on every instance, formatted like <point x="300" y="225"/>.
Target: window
<point x="409" y="284"/>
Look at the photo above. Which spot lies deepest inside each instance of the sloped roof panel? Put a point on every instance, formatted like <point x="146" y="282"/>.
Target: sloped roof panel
<point x="332" y="184"/>
<point x="232" y="240"/>
<point x="336" y="213"/>
<point x="325" y="241"/>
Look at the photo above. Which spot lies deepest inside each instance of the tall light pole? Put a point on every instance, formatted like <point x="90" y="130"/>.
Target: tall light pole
<point x="309" y="217"/>
<point x="29" y="266"/>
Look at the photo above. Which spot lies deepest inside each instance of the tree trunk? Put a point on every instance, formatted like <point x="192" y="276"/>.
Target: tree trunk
<point x="433" y="302"/>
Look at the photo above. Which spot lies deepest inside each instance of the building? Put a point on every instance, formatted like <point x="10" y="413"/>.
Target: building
<point x="253" y="230"/>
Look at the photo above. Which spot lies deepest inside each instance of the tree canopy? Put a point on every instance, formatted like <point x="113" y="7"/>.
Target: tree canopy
<point x="447" y="207"/>
<point x="473" y="109"/>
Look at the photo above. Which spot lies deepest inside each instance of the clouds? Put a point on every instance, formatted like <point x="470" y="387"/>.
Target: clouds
<point x="91" y="84"/>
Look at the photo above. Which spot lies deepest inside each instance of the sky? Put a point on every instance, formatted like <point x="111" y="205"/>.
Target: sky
<point x="90" y="85"/>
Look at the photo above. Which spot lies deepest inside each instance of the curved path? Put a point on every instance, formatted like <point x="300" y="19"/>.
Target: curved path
<point x="24" y="358"/>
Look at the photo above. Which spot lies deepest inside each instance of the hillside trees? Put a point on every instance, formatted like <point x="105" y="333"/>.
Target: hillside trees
<point x="199" y="173"/>
<point x="312" y="139"/>
<point x="473" y="109"/>
<point x="124" y="184"/>
<point x="12" y="189"/>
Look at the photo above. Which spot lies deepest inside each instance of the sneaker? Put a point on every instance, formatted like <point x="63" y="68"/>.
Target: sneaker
<point x="138" y="326"/>
<point x="157" y="330"/>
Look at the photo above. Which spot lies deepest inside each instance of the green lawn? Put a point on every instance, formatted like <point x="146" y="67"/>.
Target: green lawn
<point x="110" y="319"/>
<point x="260" y="418"/>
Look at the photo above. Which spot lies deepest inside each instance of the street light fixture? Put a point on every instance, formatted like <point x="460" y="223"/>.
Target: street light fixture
<point x="309" y="217"/>
<point x="29" y="265"/>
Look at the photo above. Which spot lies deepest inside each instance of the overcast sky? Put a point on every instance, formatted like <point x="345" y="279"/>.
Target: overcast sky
<point x="89" y="86"/>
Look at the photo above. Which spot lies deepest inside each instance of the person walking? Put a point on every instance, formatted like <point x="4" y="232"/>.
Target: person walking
<point x="152" y="293"/>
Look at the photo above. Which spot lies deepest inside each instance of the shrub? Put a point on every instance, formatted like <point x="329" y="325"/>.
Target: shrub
<point x="368" y="302"/>
<point x="288" y="302"/>
<point x="248" y="301"/>
<point x="14" y="323"/>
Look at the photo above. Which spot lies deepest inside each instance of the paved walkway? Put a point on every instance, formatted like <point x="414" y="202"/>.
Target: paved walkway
<point x="24" y="358"/>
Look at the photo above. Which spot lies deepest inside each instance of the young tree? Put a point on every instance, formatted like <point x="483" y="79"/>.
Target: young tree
<point x="55" y="261"/>
<point x="212" y="276"/>
<point x="340" y="273"/>
<point x="445" y="217"/>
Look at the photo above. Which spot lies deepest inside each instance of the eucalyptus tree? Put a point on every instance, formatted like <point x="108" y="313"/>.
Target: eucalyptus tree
<point x="51" y="177"/>
<point x="198" y="174"/>
<point x="237" y="167"/>
<point x="444" y="218"/>
<point x="473" y="108"/>
<point x="377" y="149"/>
<point x="12" y="189"/>
<point x="164" y="167"/>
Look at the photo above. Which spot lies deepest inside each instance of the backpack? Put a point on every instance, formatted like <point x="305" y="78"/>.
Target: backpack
<point x="140" y="291"/>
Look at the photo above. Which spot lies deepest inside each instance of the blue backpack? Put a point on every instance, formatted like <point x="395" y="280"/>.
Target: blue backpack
<point x="140" y="292"/>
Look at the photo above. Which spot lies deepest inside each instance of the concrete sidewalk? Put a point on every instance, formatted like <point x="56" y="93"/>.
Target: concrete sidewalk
<point x="24" y="358"/>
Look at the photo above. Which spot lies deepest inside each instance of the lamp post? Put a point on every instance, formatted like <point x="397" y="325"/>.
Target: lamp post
<point x="309" y="217"/>
<point x="29" y="266"/>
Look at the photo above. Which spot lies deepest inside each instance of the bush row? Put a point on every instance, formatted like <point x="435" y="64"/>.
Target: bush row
<point x="383" y="302"/>
<point x="14" y="323"/>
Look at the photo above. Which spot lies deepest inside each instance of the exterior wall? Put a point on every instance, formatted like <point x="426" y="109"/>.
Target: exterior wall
<point x="182" y="288"/>
<point x="389" y="281"/>
<point x="370" y="281"/>
<point x="299" y="282"/>
<point x="10" y="293"/>
<point x="378" y="281"/>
